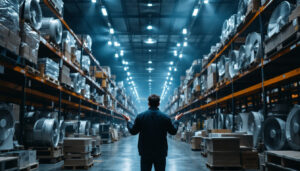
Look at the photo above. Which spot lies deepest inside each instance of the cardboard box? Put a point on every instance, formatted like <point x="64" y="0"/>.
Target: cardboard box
<point x="223" y="144"/>
<point x="249" y="160"/>
<point x="246" y="140"/>
<point x="223" y="159"/>
<point x="4" y="32"/>
<point x="28" y="53"/>
<point x="196" y="143"/>
<point x="100" y="74"/>
<point x="219" y="131"/>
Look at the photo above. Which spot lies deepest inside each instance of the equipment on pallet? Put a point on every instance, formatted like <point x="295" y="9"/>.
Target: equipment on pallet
<point x="255" y="120"/>
<point x="96" y="127"/>
<point x="33" y="13"/>
<point x="9" y="14"/>
<point x="84" y="127"/>
<point x="7" y="129"/>
<point x="253" y="47"/>
<point x="44" y="132"/>
<point x="243" y="61"/>
<point x="292" y="130"/>
<point x="274" y="133"/>
<point x="78" y="81"/>
<point x="62" y="131"/>
<point x="71" y="127"/>
<point x="234" y="65"/>
<point x="48" y="68"/>
<point x="279" y="17"/>
<point x="52" y="28"/>
<point x="220" y="121"/>
<point x="86" y="40"/>
<point x="223" y="67"/>
<point x="242" y="122"/>
<point x="242" y="9"/>
<point x="229" y="121"/>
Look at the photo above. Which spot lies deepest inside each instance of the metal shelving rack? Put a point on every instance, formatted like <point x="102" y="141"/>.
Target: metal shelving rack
<point x="20" y="85"/>
<point x="247" y="91"/>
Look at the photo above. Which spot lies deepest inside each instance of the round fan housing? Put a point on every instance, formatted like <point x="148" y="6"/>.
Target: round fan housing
<point x="52" y="28"/>
<point x="6" y="123"/>
<point x="255" y="120"/>
<point x="274" y="134"/>
<point x="242" y="122"/>
<point x="253" y="47"/>
<point x="293" y="128"/>
<point x="33" y="13"/>
<point x="62" y="131"/>
<point x="234" y="66"/>
<point x="84" y="127"/>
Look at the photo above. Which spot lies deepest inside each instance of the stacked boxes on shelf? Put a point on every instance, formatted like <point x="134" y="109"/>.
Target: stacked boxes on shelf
<point x="78" y="82"/>
<point x="65" y="76"/>
<point x="211" y="76"/>
<point x="68" y="43"/>
<point x="77" y="152"/>
<point x="48" y="68"/>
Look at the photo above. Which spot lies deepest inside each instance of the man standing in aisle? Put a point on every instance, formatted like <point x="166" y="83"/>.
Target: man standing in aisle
<point x="153" y="126"/>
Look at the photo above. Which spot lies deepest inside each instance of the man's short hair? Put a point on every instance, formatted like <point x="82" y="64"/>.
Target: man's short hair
<point x="153" y="100"/>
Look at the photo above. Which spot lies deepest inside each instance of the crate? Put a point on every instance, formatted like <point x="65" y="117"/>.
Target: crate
<point x="196" y="143"/>
<point x="49" y="154"/>
<point x="246" y="140"/>
<point x="287" y="36"/>
<point x="223" y="144"/>
<point x="223" y="159"/>
<point x="249" y="160"/>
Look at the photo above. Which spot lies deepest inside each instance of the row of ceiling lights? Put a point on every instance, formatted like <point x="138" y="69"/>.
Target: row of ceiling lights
<point x="116" y="44"/>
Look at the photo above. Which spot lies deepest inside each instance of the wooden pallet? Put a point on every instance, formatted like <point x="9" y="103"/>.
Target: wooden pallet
<point x="31" y="167"/>
<point x="52" y="80"/>
<point x="284" y="160"/>
<point x="49" y="154"/>
<point x="9" y="163"/>
<point x="211" y="167"/>
<point x="32" y="70"/>
<point x="78" y="167"/>
<point x="287" y="36"/>
<point x="51" y="160"/>
<point x="67" y="86"/>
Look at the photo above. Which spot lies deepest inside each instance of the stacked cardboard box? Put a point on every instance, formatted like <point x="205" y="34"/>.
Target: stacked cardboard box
<point x="9" y="39"/>
<point x="77" y="152"/>
<point x="65" y="76"/>
<point x="217" y="148"/>
<point x="196" y="142"/>
<point x="211" y="76"/>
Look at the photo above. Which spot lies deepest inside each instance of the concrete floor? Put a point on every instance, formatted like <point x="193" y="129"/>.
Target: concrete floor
<point x="123" y="156"/>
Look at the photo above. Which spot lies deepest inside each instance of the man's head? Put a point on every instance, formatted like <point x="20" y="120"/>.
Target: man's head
<point x="153" y="101"/>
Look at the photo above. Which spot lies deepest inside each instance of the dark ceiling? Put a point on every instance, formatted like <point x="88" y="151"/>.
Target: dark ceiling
<point x="129" y="19"/>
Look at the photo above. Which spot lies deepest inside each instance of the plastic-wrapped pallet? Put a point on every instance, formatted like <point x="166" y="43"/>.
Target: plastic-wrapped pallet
<point x="68" y="42"/>
<point x="49" y="68"/>
<point x="86" y="40"/>
<point x="86" y="62"/>
<point x="87" y="93"/>
<point x="78" y="81"/>
<point x="30" y="43"/>
<point x="9" y="14"/>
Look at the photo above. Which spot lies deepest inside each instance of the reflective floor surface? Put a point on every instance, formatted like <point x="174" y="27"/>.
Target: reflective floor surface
<point x="123" y="156"/>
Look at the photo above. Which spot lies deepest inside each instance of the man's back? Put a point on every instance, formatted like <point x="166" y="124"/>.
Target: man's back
<point x="153" y="126"/>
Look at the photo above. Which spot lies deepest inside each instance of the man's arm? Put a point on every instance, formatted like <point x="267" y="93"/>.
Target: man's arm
<point x="173" y="127"/>
<point x="133" y="128"/>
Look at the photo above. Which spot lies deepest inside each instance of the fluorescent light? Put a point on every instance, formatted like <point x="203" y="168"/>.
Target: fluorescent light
<point x="195" y="12"/>
<point x="122" y="53"/>
<point x="205" y="1"/>
<point x="128" y="73"/>
<point x="111" y="31"/>
<point x="150" y="80"/>
<point x="169" y="74"/>
<point x="170" y="68"/>
<point x="184" y="31"/>
<point x="109" y="43"/>
<point x="149" y="62"/>
<point x="149" y="27"/>
<point x="125" y="68"/>
<point x="149" y="4"/>
<point x="116" y="44"/>
<point x="94" y="1"/>
<point x="116" y="55"/>
<point x="175" y="52"/>
<point x="171" y="63"/>
<point x="180" y="56"/>
<point x="171" y="78"/>
<point x="185" y="44"/>
<point x="130" y="78"/>
<point x="178" y="44"/>
<point x="170" y="83"/>
<point x="127" y="79"/>
<point x="175" y="69"/>
<point x="150" y="41"/>
<point x="104" y="12"/>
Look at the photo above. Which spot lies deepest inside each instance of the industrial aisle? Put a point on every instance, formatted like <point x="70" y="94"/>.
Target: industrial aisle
<point x="123" y="155"/>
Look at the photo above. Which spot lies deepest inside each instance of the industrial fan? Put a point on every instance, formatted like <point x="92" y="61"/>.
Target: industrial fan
<point x="44" y="132"/>
<point x="71" y="126"/>
<point x="243" y="60"/>
<point x="62" y="131"/>
<point x="53" y="28"/>
<point x="84" y="127"/>
<point x="33" y="13"/>
<point x="229" y="121"/>
<point x="274" y="134"/>
<point x="242" y="122"/>
<point x="253" y="47"/>
<point x="255" y="120"/>
<point x="96" y="126"/>
<point x="242" y="9"/>
<point x="222" y="67"/>
<point x="232" y="24"/>
<point x="279" y="18"/>
<point x="220" y="121"/>
<point x="7" y="128"/>
<point x="293" y="128"/>
<point x="224" y="34"/>
<point x="234" y="66"/>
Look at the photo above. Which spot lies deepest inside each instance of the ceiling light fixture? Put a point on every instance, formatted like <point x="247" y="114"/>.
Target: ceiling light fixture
<point x="111" y="31"/>
<point x="175" y="69"/>
<point x="149" y="62"/>
<point x="178" y="44"/>
<point x="116" y="44"/>
<point x="180" y="56"/>
<point x="149" y="4"/>
<point x="175" y="53"/>
<point x="205" y="1"/>
<point x="116" y="55"/>
<point x="109" y="43"/>
<point x="170" y="68"/>
<point x="150" y="80"/>
<point x="149" y="27"/>
<point x="185" y="44"/>
<point x="171" y="63"/>
<point x="195" y="12"/>
<point x="122" y="53"/>
<point x="94" y="1"/>
<point x="169" y="74"/>
<point x="171" y="78"/>
<point x="104" y="12"/>
<point x="130" y="78"/>
<point x="184" y="31"/>
<point x="150" y="41"/>
<point x="128" y="73"/>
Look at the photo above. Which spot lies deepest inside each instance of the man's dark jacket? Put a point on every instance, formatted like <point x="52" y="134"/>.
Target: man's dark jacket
<point x="153" y="126"/>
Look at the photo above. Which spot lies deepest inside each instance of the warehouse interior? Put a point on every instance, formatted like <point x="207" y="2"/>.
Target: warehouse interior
<point x="72" y="72"/>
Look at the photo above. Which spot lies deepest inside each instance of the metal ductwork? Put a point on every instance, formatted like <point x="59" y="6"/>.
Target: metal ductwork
<point x="279" y="17"/>
<point x="234" y="65"/>
<point x="53" y="28"/>
<point x="293" y="128"/>
<point x="45" y="132"/>
<point x="33" y="13"/>
<point x="274" y="133"/>
<point x="84" y="127"/>
<point x="253" y="47"/>
<point x="242" y="122"/>
<point x="255" y="120"/>
<point x="62" y="131"/>
<point x="7" y="127"/>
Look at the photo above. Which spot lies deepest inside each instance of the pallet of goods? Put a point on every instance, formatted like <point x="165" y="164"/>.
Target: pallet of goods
<point x="49" y="154"/>
<point x="27" y="159"/>
<point x="282" y="160"/>
<point x="77" y="153"/>
<point x="9" y="163"/>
